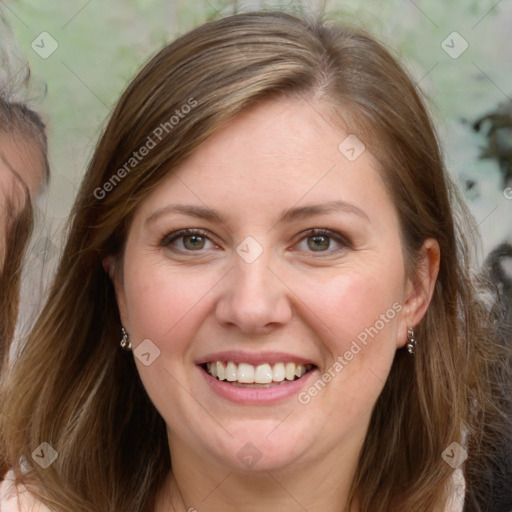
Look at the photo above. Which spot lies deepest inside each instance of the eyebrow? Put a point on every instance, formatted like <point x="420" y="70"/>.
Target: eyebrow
<point x="289" y="215"/>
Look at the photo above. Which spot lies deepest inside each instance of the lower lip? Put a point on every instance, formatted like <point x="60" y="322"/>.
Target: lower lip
<point x="268" y="395"/>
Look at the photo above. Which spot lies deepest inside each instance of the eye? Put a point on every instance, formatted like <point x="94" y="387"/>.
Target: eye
<point x="196" y="240"/>
<point x="322" y="240"/>
<point x="186" y="240"/>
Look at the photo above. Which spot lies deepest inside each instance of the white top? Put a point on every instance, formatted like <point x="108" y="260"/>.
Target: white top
<point x="18" y="499"/>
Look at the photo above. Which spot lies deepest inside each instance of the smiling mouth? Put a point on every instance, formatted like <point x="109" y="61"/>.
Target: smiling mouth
<point x="259" y="376"/>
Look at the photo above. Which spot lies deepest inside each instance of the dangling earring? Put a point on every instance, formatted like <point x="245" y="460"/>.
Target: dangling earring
<point x="125" y="343"/>
<point x="412" y="342"/>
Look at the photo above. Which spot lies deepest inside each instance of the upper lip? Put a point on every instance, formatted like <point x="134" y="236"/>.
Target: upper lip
<point x="255" y="358"/>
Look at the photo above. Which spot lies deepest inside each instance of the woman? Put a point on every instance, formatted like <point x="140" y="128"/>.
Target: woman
<point x="266" y="230"/>
<point x="23" y="168"/>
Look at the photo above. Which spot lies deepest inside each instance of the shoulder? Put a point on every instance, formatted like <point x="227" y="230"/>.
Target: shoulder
<point x="16" y="498"/>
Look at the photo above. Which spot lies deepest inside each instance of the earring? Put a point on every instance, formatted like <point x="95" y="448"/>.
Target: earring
<point x="125" y="343"/>
<point x="412" y="342"/>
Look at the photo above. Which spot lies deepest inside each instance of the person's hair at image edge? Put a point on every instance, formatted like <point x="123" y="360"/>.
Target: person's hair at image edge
<point x="16" y="233"/>
<point x="73" y="388"/>
<point x="24" y="128"/>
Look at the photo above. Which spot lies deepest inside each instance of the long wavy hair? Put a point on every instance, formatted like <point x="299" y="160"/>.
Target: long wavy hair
<point x="72" y="387"/>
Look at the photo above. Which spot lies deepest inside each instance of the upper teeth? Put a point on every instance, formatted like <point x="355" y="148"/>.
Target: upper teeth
<point x="260" y="374"/>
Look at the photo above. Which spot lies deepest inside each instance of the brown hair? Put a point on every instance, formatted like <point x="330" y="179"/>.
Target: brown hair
<point x="16" y="234"/>
<point x="71" y="386"/>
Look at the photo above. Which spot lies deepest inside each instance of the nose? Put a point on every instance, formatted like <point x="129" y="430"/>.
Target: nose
<point x="254" y="299"/>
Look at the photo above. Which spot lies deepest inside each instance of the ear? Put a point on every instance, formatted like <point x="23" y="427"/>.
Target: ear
<point x="108" y="263"/>
<point x="110" y="266"/>
<point x="419" y="291"/>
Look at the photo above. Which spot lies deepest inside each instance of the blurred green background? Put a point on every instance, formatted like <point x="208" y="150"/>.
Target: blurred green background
<point x="101" y="45"/>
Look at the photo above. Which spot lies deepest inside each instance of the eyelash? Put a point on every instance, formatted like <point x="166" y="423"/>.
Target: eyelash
<point x="172" y="237"/>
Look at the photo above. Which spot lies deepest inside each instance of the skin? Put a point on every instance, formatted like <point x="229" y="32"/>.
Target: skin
<point x="293" y="298"/>
<point x="21" y="170"/>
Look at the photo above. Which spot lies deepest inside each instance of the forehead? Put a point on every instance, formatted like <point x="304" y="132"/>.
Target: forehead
<point x="287" y="129"/>
<point x="274" y="153"/>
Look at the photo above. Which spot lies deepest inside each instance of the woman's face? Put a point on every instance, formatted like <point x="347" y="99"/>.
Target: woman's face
<point x="20" y="166"/>
<point x="292" y="262"/>
<point x="22" y="158"/>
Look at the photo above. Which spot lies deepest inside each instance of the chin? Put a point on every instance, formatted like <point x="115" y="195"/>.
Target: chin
<point x="269" y="445"/>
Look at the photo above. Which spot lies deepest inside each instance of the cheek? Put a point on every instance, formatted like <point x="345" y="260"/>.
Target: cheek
<point x="350" y="302"/>
<point x="356" y="314"/>
<point x="162" y="302"/>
